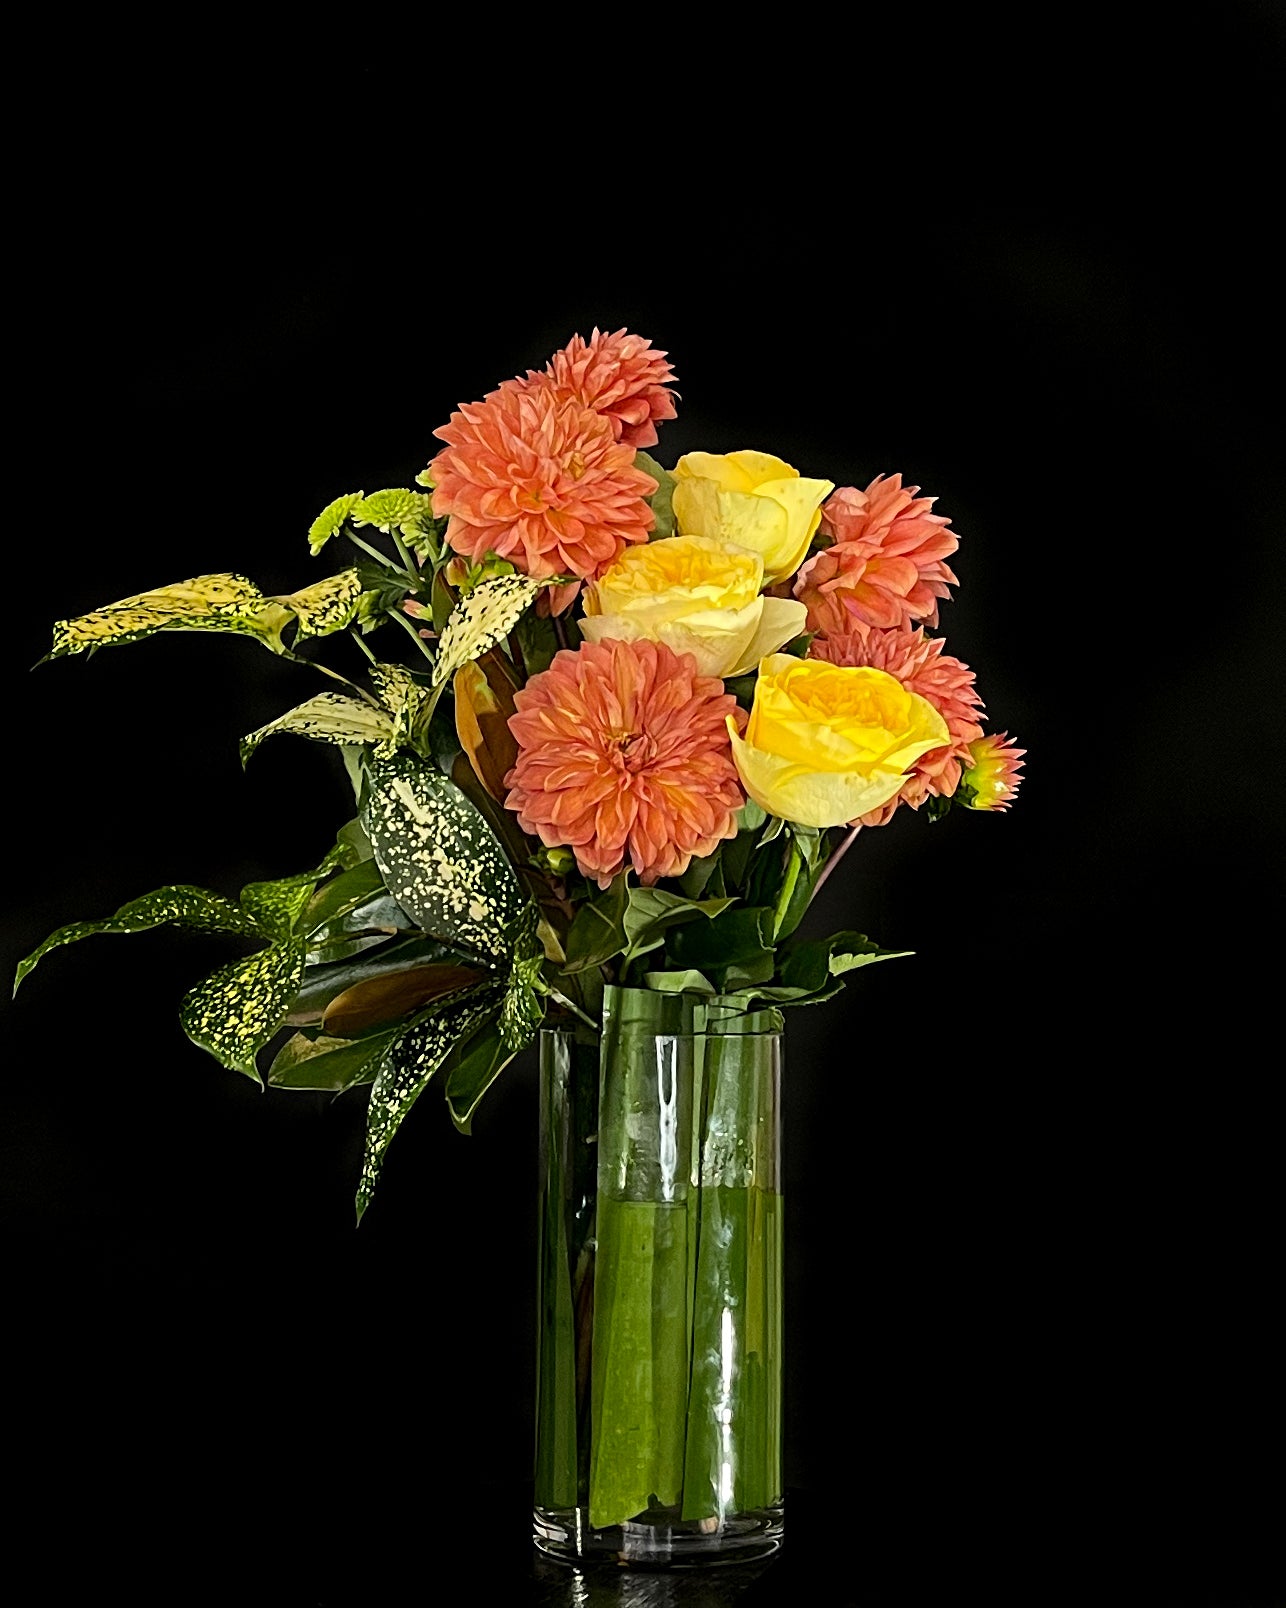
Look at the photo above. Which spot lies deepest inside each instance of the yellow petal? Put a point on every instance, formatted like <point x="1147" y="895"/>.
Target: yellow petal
<point x="716" y="638"/>
<point x="813" y="798"/>
<point x="782" y="619"/>
<point x="802" y="501"/>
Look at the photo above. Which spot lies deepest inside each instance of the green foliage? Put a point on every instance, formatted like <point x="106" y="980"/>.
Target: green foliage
<point x="597" y="932"/>
<point x="523" y="1007"/>
<point x="439" y="858"/>
<point x="407" y="1064"/>
<point x="319" y="1062"/>
<point x="651" y="912"/>
<point x="470" y="1068"/>
<point x="237" y="1009"/>
<point x="662" y="499"/>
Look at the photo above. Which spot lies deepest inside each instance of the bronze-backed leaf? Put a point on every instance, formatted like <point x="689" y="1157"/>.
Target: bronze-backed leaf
<point x="483" y="705"/>
<point x="377" y="1001"/>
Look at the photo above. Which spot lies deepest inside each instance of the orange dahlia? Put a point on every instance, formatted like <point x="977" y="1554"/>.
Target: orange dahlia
<point x="919" y="663"/>
<point x="620" y="376"/>
<point x="994" y="763"/>
<point x="885" y="565"/>
<point x="540" y="480"/>
<point x="624" y="756"/>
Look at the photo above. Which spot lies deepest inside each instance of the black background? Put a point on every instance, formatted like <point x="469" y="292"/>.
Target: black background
<point x="1035" y="1173"/>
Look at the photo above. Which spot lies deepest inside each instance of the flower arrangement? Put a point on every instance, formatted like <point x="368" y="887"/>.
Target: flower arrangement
<point x="635" y="717"/>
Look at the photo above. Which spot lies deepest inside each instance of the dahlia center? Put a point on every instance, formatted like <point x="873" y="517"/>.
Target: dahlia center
<point x="630" y="751"/>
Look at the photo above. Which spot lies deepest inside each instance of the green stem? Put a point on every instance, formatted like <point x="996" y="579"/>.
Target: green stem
<point x="571" y="1006"/>
<point x="361" y="642"/>
<point x="366" y="547"/>
<point x="408" y="561"/>
<point x="396" y="614"/>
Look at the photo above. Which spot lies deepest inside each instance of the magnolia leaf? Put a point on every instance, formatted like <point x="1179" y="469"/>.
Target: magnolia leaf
<point x="484" y="701"/>
<point x="440" y="859"/>
<point x="394" y="508"/>
<point x="375" y="1001"/>
<point x="471" y="1068"/>
<point x="406" y="1066"/>
<point x="180" y="906"/>
<point x="276" y="905"/>
<point x="330" y="1065"/>
<point x="662" y="499"/>
<point x="330" y="717"/>
<point x="650" y="912"/>
<point x="238" y="1008"/>
<point x="478" y="621"/>
<point x="325" y="982"/>
<point x="326" y="606"/>
<point x="330" y="519"/>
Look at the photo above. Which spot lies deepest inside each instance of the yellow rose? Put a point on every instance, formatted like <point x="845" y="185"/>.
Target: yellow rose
<point x="753" y="499"/>
<point x="698" y="596"/>
<point x="826" y="744"/>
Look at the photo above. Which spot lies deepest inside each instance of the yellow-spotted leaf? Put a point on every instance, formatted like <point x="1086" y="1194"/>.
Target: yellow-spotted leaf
<point x="326" y="606"/>
<point x="524" y="1006"/>
<point x="479" y="620"/>
<point x="276" y="906"/>
<point x="330" y="717"/>
<point x="224" y="602"/>
<point x="179" y="906"/>
<point x="439" y="858"/>
<point x="331" y="519"/>
<point x="406" y="1067"/>
<point x="238" y="1008"/>
<point x="402" y="695"/>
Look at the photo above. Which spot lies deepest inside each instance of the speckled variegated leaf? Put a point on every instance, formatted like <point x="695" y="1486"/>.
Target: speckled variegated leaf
<point x="402" y="695"/>
<point x="330" y="717"/>
<point x="480" y="619"/>
<point x="523" y="1007"/>
<point x="276" y="905"/>
<point x="330" y="520"/>
<point x="204" y="603"/>
<point x="180" y="906"/>
<point x="238" y="1008"/>
<point x="393" y="508"/>
<point x="326" y="606"/>
<point x="406" y="1067"/>
<point x="439" y="858"/>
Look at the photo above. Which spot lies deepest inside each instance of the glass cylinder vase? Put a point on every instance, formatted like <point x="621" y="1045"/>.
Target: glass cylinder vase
<point x="659" y="1367"/>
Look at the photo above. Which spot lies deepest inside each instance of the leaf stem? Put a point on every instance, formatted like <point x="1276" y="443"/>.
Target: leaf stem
<point x="361" y="642"/>
<point x="575" y="1009"/>
<point x="835" y="859"/>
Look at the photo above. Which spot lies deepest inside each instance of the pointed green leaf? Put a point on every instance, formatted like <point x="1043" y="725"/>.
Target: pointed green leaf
<point x="662" y="499"/>
<point x="331" y="1065"/>
<point x="470" y="1069"/>
<point x="342" y="894"/>
<point x="276" y="905"/>
<point x="479" y="620"/>
<point x="439" y="858"/>
<point x="375" y="1002"/>
<point x="523" y="1007"/>
<point x="329" y="521"/>
<point x="678" y="982"/>
<point x="402" y="695"/>
<point x="597" y="932"/>
<point x="330" y="717"/>
<point x="180" y="906"/>
<point x="238" y="1008"/>
<point x="737" y="937"/>
<point x="650" y="912"/>
<point x="406" y="1067"/>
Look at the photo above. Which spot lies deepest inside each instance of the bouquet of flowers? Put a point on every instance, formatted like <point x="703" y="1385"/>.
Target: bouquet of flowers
<point x="623" y="722"/>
